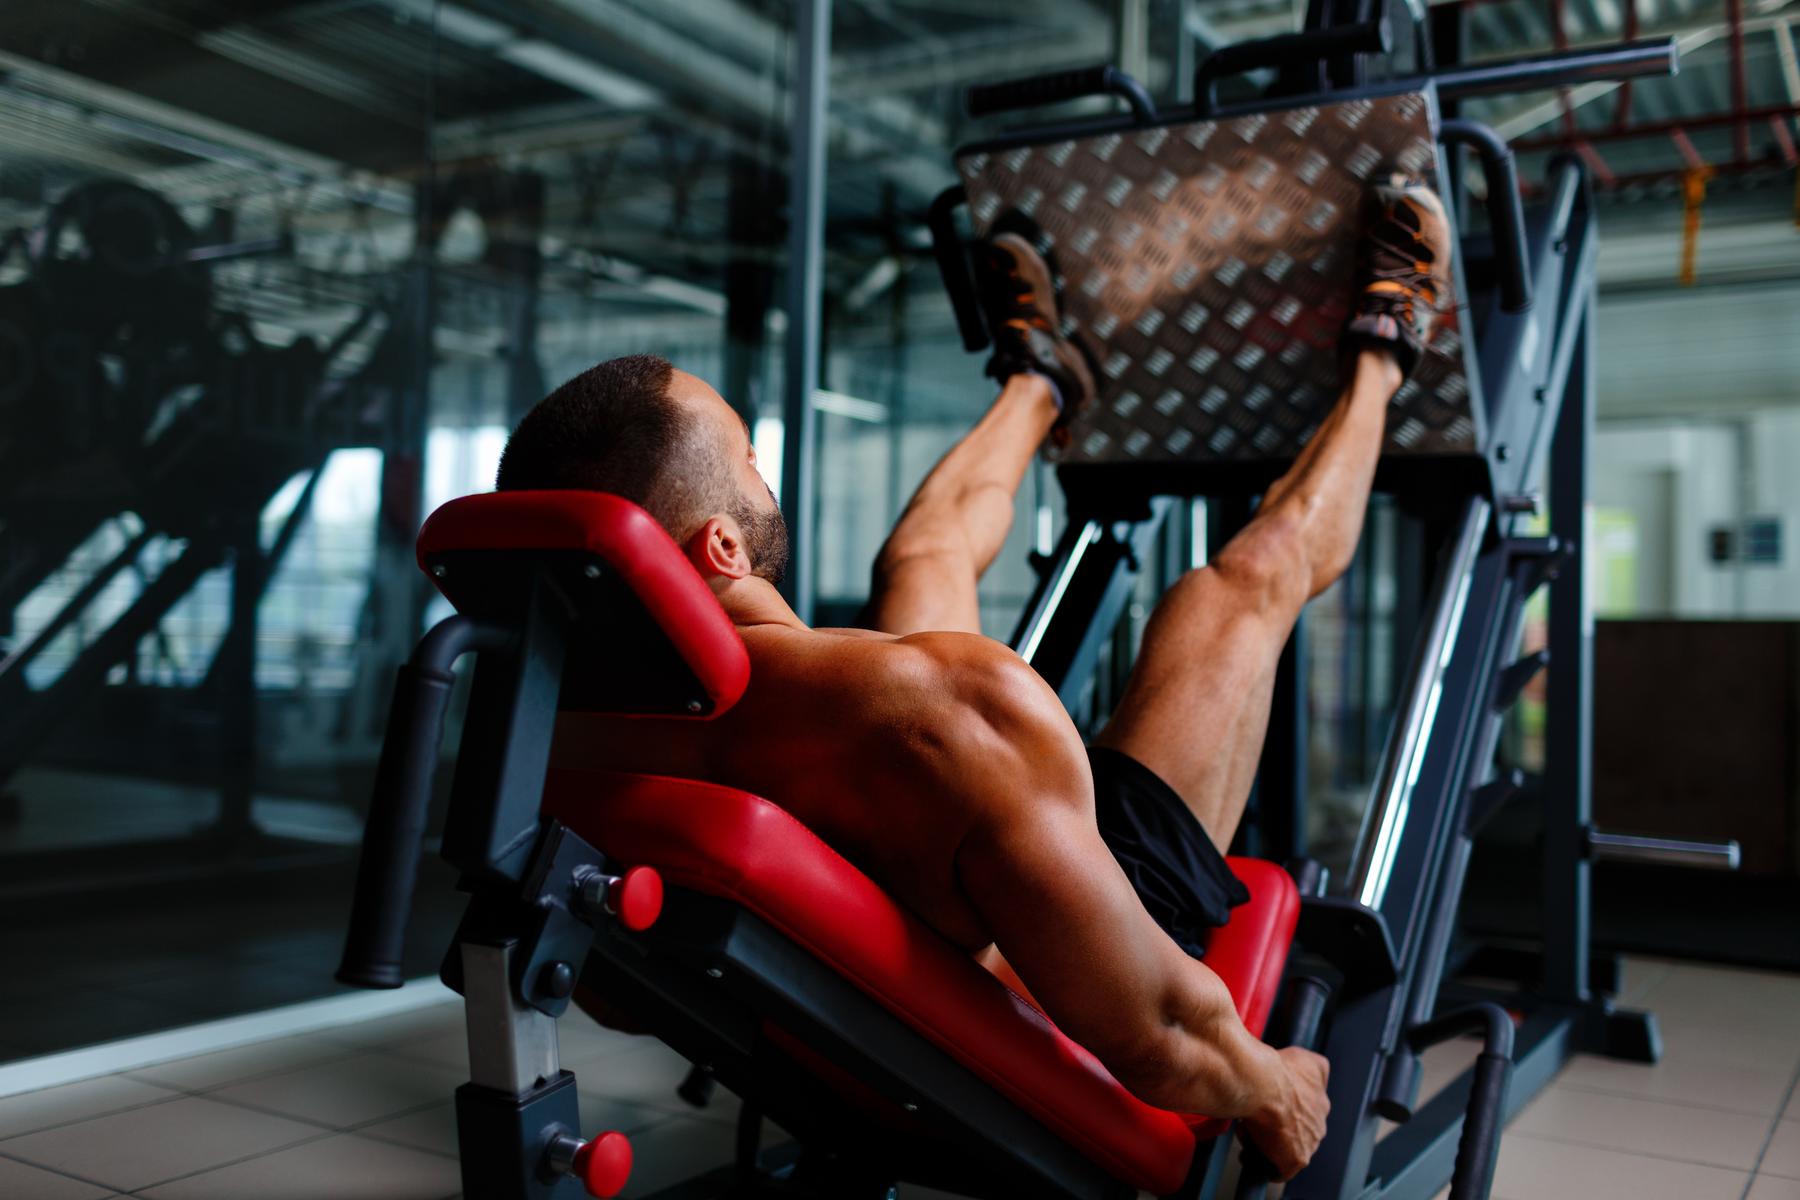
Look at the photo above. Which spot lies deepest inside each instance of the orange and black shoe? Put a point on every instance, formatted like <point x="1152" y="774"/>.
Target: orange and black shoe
<point x="1019" y="298"/>
<point x="1406" y="273"/>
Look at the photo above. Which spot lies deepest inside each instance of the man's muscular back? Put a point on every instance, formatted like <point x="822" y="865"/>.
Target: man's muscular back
<point x="888" y="748"/>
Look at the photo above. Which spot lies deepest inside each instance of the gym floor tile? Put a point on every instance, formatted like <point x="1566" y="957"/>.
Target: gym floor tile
<point x="1538" y="1169"/>
<point x="416" y="1025"/>
<point x="30" y="1111"/>
<point x="449" y="1050"/>
<point x="159" y="1142"/>
<point x="204" y="1072"/>
<point x="582" y="1040"/>
<point x="647" y="1075"/>
<point x="1702" y="1135"/>
<point x="22" y="1181"/>
<point x="343" y="1167"/>
<point x="1442" y="1063"/>
<point x="1638" y="974"/>
<point x="1783" y="1155"/>
<point x="1688" y="1077"/>
<point x="430" y="1129"/>
<point x="680" y="1148"/>
<point x="434" y="1129"/>
<point x="1773" y="1187"/>
<point x="1735" y="1011"/>
<point x="348" y="1091"/>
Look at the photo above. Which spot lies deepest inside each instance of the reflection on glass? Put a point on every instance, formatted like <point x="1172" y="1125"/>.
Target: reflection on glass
<point x="273" y="284"/>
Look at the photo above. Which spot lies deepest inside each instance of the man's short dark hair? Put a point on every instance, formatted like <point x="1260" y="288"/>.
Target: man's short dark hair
<point x="615" y="428"/>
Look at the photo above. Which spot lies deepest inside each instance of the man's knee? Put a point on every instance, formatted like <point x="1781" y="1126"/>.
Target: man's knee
<point x="927" y="549"/>
<point x="1268" y="566"/>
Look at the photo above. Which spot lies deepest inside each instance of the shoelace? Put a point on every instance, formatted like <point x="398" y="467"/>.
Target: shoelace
<point x="1415" y="276"/>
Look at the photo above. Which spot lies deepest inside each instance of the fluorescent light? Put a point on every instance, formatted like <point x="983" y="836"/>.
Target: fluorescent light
<point x="472" y="29"/>
<point x="681" y="292"/>
<point x="854" y="407"/>
<point x="878" y="280"/>
<point x="469" y="28"/>
<point x="584" y="75"/>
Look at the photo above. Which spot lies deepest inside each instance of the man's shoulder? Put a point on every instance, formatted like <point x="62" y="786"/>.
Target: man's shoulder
<point x="933" y="660"/>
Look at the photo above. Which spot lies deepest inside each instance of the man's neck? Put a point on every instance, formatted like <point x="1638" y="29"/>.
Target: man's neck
<point x="754" y="601"/>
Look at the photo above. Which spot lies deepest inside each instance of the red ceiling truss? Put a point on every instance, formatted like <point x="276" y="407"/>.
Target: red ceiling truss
<point x="1742" y="118"/>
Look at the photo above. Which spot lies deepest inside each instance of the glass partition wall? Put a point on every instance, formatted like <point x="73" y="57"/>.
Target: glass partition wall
<point x="276" y="280"/>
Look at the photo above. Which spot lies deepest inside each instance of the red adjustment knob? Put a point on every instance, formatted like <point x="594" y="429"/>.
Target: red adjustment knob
<point x="604" y="1164"/>
<point x="637" y="898"/>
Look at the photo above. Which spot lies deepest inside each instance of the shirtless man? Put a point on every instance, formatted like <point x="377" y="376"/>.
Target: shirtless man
<point x="938" y="761"/>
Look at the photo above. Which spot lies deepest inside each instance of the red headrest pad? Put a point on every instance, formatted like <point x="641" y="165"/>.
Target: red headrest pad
<point x="631" y="542"/>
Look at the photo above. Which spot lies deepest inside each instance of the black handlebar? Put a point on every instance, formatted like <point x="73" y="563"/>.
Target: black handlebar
<point x="1307" y="998"/>
<point x="1058" y="86"/>
<point x="389" y="866"/>
<point x="953" y="265"/>
<point x="1479" y="1146"/>
<point x="1506" y="216"/>
<point x="1285" y="50"/>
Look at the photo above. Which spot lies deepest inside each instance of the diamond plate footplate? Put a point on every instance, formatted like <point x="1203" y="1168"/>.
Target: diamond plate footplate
<point x="1207" y="268"/>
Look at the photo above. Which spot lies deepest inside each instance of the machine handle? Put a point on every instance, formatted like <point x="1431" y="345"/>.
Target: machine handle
<point x="1723" y="855"/>
<point x="389" y="865"/>
<point x="1479" y="1146"/>
<point x="1559" y="68"/>
<point x="953" y="265"/>
<point x="1287" y="49"/>
<point x="1506" y="216"/>
<point x="1057" y="86"/>
<point x="1307" y="998"/>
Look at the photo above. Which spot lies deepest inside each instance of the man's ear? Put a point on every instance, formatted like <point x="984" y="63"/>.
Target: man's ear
<point x="718" y="552"/>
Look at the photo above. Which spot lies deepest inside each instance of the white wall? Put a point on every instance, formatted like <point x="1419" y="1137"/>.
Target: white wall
<point x="1699" y="465"/>
<point x="1690" y="354"/>
<point x="1771" y="487"/>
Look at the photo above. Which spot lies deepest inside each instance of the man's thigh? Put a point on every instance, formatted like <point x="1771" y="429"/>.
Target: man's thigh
<point x="1197" y="706"/>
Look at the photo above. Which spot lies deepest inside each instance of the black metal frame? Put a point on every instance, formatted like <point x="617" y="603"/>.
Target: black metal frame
<point x="1391" y="940"/>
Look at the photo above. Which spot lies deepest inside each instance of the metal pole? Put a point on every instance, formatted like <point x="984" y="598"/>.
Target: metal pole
<point x="1739" y="103"/>
<point x="1385" y="819"/>
<point x="1654" y="56"/>
<point x="1568" y="693"/>
<point x="806" y="237"/>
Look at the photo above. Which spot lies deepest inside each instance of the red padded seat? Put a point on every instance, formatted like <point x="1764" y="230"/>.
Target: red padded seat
<point x="727" y="843"/>
<point x="731" y="844"/>
<point x="630" y="541"/>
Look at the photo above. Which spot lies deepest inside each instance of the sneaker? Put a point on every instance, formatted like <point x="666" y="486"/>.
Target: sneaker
<point x="1019" y="298"/>
<point x="1406" y="262"/>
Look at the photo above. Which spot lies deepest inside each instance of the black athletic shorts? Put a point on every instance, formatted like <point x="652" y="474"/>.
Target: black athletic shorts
<point x="1179" y="874"/>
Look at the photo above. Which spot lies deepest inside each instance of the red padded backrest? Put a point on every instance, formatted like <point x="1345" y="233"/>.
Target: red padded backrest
<point x="473" y="547"/>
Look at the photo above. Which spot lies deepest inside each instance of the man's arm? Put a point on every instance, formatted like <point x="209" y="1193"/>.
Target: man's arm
<point x="1060" y="909"/>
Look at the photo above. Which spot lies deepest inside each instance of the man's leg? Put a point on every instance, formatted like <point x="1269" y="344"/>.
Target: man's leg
<point x="926" y="574"/>
<point x="1197" y="706"/>
<point x="956" y="523"/>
